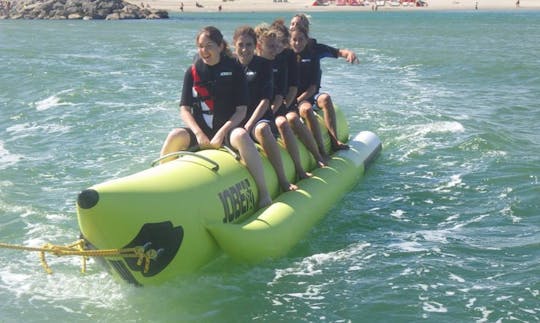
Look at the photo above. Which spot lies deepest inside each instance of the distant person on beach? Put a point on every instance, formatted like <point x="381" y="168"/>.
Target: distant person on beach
<point x="323" y="100"/>
<point x="259" y="118"/>
<point x="5" y="6"/>
<point x="269" y="45"/>
<point x="289" y="108"/>
<point x="517" y="4"/>
<point x="213" y="104"/>
<point x="182" y="6"/>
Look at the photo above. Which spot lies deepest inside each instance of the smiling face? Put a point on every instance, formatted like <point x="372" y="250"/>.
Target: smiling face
<point x="299" y="40"/>
<point x="208" y="50"/>
<point x="244" y="48"/>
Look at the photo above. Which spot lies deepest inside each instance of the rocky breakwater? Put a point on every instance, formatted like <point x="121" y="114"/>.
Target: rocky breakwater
<point x="77" y="9"/>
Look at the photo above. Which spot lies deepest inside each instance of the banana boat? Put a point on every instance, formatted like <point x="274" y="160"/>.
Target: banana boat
<point x="187" y="212"/>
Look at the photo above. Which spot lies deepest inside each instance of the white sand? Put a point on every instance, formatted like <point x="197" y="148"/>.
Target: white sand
<point x="294" y="6"/>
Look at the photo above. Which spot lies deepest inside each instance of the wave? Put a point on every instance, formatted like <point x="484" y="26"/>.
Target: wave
<point x="315" y="264"/>
<point x="53" y="101"/>
<point x="7" y="159"/>
<point x="24" y="130"/>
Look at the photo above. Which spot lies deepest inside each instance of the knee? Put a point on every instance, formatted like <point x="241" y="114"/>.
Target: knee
<point x="239" y="137"/>
<point x="262" y="129"/>
<point x="292" y="117"/>
<point x="324" y="101"/>
<point x="281" y="122"/>
<point x="177" y="139"/>
<point x="305" y="109"/>
<point x="177" y="134"/>
<point x="238" y="133"/>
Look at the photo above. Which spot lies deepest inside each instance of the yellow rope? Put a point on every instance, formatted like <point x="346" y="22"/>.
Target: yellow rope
<point x="77" y="249"/>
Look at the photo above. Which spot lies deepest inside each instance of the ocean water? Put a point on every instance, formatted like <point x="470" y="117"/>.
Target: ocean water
<point x="445" y="226"/>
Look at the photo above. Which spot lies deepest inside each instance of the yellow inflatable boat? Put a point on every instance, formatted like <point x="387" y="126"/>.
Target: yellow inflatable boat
<point x="186" y="212"/>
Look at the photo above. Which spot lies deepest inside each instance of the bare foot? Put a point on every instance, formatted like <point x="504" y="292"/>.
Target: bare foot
<point x="286" y="187"/>
<point x="321" y="163"/>
<point x="338" y="145"/>
<point x="325" y="159"/>
<point x="303" y="175"/>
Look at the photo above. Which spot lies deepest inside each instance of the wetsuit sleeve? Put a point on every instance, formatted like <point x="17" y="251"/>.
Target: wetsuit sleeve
<point x="187" y="89"/>
<point x="323" y="51"/>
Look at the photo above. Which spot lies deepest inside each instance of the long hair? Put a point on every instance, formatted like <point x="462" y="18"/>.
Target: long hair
<point x="216" y="36"/>
<point x="304" y="20"/>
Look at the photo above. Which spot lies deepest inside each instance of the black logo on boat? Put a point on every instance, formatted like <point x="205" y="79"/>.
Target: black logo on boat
<point x="162" y="237"/>
<point x="237" y="200"/>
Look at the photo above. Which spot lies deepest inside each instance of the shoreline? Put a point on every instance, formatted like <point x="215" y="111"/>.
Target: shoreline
<point x="231" y="6"/>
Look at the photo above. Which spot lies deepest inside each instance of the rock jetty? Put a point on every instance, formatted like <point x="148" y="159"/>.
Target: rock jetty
<point x="77" y="9"/>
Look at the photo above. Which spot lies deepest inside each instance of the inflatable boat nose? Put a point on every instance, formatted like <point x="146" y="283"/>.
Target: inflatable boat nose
<point x="88" y="198"/>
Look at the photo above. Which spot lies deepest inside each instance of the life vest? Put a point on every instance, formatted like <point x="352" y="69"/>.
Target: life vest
<point x="216" y="91"/>
<point x="202" y="95"/>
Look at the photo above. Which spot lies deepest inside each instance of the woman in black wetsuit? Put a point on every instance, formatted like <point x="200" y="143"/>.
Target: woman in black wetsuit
<point x="213" y="104"/>
<point x="289" y="108"/>
<point x="259" y="118"/>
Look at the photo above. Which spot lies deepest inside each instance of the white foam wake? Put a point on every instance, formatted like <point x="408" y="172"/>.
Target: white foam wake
<point x="6" y="158"/>
<point x="52" y="101"/>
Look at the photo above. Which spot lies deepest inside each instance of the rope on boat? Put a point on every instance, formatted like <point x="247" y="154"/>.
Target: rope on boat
<point x="77" y="249"/>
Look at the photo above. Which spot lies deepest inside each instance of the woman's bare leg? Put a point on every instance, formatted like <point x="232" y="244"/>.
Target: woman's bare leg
<point x="306" y="137"/>
<point x="265" y="137"/>
<point x="241" y="141"/>
<point x="324" y="101"/>
<point x="289" y="140"/>
<point x="177" y="140"/>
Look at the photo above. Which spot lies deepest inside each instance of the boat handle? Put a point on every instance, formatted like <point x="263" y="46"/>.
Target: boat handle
<point x="232" y="152"/>
<point x="187" y="153"/>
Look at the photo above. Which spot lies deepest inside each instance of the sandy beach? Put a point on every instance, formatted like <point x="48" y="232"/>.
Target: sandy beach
<point x="335" y="5"/>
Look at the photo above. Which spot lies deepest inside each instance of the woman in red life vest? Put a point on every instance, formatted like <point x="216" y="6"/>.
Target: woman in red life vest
<point x="268" y="46"/>
<point x="259" y="118"/>
<point x="213" y="104"/>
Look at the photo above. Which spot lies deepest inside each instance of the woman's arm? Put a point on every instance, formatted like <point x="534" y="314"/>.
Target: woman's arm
<point x="276" y="104"/>
<point x="257" y="114"/>
<point x="291" y="95"/>
<point x="187" y="117"/>
<point x="233" y="122"/>
<point x="311" y="91"/>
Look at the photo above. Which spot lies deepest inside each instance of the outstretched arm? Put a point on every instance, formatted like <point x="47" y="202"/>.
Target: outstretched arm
<point x="349" y="56"/>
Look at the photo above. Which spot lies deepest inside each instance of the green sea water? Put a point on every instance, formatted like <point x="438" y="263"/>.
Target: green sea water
<point x="445" y="226"/>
